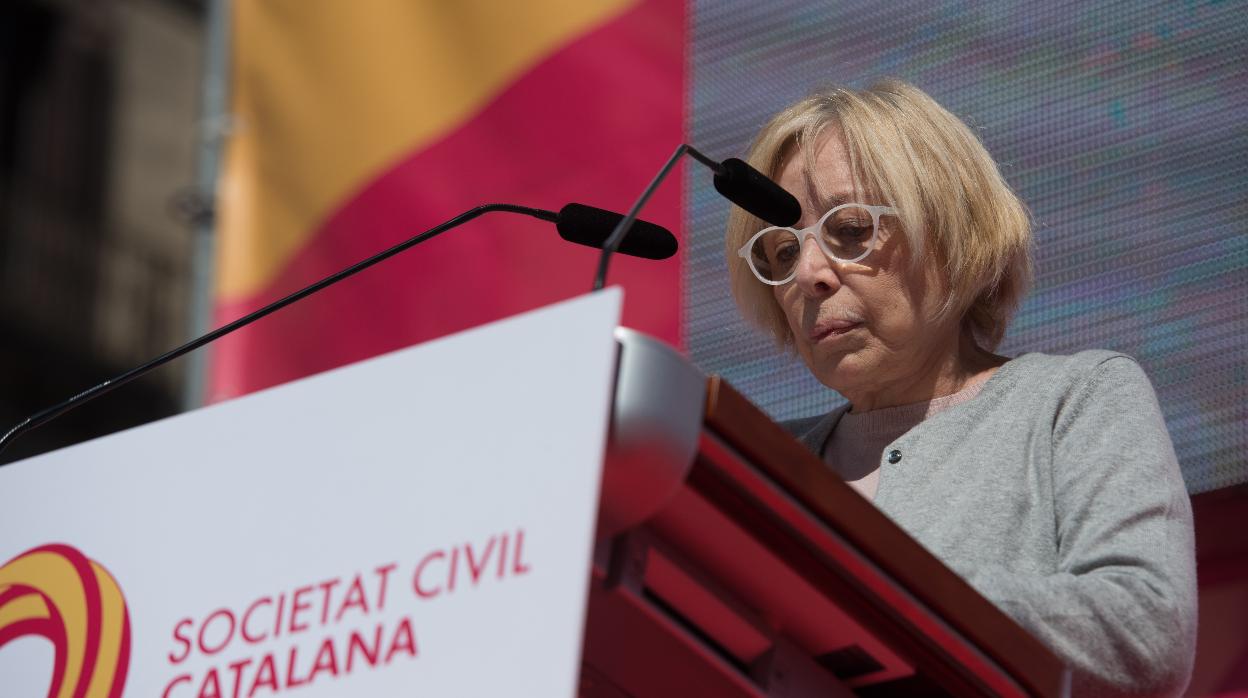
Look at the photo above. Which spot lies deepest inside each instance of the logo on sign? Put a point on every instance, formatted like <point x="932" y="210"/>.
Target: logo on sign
<point x="57" y="592"/>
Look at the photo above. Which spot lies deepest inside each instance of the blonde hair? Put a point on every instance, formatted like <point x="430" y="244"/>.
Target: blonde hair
<point x="955" y="208"/>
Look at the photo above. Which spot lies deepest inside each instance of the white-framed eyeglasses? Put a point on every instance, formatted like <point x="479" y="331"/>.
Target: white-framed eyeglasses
<point x="847" y="233"/>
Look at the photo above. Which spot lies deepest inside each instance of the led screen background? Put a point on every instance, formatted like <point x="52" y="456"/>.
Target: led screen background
<point x="1123" y="128"/>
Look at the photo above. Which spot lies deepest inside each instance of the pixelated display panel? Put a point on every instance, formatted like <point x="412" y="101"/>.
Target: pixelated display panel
<point x="1123" y="128"/>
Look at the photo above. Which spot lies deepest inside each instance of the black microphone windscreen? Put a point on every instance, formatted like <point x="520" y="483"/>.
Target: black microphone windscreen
<point x="586" y="225"/>
<point x="755" y="192"/>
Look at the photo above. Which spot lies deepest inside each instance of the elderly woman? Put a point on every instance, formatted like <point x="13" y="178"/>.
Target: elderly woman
<point x="1048" y="482"/>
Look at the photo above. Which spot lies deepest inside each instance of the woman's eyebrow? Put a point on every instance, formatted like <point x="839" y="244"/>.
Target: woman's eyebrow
<point x="827" y="203"/>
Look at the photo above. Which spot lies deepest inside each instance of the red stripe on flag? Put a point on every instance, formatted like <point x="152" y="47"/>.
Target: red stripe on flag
<point x="591" y="124"/>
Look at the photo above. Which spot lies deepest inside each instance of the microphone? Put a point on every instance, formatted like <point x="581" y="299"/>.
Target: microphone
<point x="583" y="225"/>
<point x="735" y="180"/>
<point x="751" y="190"/>
<point x="586" y="225"/>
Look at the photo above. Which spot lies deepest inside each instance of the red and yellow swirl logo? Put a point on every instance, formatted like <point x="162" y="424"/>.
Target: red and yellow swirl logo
<point x="57" y="592"/>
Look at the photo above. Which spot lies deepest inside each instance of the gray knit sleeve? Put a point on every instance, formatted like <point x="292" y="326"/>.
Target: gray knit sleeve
<point x="1121" y="609"/>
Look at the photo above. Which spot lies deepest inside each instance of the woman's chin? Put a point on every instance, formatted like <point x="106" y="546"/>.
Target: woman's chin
<point x="844" y="354"/>
<point x="840" y="371"/>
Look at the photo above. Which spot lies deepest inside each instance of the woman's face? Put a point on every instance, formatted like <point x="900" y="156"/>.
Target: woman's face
<point x="867" y="329"/>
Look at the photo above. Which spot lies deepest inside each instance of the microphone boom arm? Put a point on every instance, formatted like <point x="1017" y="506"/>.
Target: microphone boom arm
<point x="735" y="179"/>
<point x="621" y="229"/>
<point x="40" y="418"/>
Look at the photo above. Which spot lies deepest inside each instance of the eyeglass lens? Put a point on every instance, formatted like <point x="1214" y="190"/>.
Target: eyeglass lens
<point x="845" y="235"/>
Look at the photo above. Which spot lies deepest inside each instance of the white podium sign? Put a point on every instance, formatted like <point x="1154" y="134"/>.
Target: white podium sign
<point x="417" y="524"/>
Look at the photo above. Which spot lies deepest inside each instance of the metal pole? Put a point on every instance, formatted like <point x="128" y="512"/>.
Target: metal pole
<point x="214" y="127"/>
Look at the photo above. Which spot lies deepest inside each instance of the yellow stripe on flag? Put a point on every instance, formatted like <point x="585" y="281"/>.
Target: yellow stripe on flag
<point x="368" y="82"/>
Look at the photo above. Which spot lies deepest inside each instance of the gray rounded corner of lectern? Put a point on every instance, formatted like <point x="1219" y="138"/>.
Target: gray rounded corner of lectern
<point x="656" y="419"/>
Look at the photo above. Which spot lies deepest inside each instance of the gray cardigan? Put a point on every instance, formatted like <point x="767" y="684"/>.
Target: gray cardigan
<point x="1056" y="493"/>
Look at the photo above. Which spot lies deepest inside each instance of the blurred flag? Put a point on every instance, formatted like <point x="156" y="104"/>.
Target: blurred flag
<point x="356" y="125"/>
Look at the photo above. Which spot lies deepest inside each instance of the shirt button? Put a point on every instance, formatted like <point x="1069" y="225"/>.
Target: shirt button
<point x="894" y="456"/>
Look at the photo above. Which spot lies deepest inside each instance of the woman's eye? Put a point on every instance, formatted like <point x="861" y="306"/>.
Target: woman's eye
<point x="850" y="233"/>
<point x="786" y="253"/>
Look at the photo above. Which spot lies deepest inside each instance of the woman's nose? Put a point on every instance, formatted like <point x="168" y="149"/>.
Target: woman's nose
<point x="815" y="273"/>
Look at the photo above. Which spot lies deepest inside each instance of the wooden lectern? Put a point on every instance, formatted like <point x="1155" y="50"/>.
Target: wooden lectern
<point x="731" y="562"/>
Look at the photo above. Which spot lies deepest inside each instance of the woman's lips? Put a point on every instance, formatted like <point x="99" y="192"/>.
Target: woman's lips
<point x="832" y="329"/>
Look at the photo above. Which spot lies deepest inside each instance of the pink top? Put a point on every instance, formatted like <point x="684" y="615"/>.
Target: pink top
<point x="856" y="446"/>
